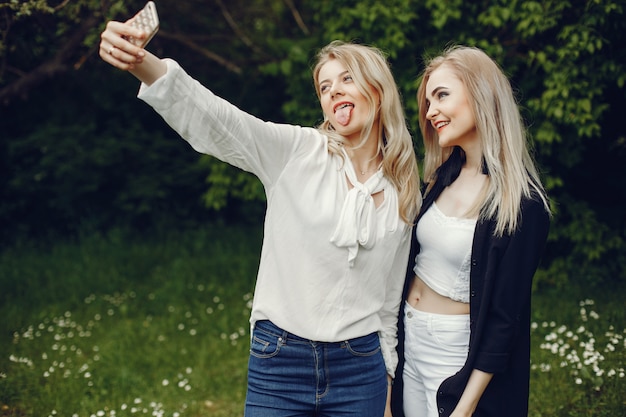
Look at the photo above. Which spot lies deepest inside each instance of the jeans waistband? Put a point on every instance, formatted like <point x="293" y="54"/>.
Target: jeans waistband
<point x="409" y="309"/>
<point x="269" y="327"/>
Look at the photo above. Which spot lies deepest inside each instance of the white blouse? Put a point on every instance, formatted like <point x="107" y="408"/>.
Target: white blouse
<point x="332" y="264"/>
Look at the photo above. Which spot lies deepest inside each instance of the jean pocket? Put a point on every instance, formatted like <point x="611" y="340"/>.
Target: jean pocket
<point x="264" y="345"/>
<point x="454" y="338"/>
<point x="364" y="346"/>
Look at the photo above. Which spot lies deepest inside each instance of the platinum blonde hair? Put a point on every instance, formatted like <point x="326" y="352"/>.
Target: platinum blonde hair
<point x="503" y="137"/>
<point x="370" y="70"/>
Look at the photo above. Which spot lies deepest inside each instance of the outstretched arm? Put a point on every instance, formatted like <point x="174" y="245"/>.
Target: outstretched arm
<point x="122" y="54"/>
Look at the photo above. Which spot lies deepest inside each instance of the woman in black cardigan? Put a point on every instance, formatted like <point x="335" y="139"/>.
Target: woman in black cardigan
<point x="464" y="329"/>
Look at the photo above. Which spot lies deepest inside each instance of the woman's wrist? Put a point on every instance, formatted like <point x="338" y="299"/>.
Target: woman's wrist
<point x="150" y="69"/>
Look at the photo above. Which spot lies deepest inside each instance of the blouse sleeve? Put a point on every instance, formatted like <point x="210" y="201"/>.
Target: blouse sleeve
<point x="393" y="298"/>
<point x="213" y="126"/>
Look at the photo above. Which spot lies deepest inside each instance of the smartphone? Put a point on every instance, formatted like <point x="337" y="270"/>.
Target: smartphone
<point x="146" y="20"/>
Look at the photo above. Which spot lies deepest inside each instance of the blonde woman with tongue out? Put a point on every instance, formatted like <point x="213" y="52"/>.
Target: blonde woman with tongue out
<point x="340" y="201"/>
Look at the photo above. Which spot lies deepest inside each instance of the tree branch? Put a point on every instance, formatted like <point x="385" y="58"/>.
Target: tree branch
<point x="57" y="65"/>
<point x="231" y="66"/>
<point x="297" y="16"/>
<point x="233" y="25"/>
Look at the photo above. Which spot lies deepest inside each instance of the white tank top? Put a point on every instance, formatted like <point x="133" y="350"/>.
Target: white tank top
<point x="443" y="262"/>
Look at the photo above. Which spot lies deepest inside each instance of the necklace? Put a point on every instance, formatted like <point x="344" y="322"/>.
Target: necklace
<point x="367" y="171"/>
<point x="368" y="162"/>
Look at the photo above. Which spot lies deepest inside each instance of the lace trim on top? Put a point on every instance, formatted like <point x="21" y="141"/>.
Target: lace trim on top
<point x="446" y="232"/>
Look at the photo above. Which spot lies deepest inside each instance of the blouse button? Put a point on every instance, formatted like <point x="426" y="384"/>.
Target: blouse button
<point x="409" y="314"/>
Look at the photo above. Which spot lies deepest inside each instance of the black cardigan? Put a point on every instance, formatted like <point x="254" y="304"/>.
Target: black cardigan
<point x="501" y="275"/>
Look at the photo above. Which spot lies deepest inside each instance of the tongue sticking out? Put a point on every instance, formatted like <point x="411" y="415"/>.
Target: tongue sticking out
<point x="343" y="114"/>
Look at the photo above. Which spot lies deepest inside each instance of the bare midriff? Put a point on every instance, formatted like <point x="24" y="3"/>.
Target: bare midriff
<point x="423" y="298"/>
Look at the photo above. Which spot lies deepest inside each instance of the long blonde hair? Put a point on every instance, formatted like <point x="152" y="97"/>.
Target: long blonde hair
<point x="503" y="137"/>
<point x="369" y="69"/>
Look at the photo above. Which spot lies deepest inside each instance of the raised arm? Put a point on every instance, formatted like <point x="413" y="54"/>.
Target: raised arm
<point x="122" y="54"/>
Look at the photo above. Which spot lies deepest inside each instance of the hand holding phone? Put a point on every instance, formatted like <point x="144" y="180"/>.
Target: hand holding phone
<point x="146" y="20"/>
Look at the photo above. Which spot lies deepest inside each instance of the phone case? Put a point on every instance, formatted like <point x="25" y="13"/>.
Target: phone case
<point x="147" y="20"/>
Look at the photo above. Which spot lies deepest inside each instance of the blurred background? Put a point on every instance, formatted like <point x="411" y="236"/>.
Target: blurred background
<point x="128" y="260"/>
<point x="80" y="154"/>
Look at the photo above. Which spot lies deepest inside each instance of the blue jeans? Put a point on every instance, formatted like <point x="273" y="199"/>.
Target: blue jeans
<point x="289" y="376"/>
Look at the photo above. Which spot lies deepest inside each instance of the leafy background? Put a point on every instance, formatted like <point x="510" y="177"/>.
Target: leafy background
<point x="78" y="152"/>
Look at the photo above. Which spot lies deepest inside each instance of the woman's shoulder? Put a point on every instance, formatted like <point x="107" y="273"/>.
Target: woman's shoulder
<point x="537" y="203"/>
<point x="535" y="213"/>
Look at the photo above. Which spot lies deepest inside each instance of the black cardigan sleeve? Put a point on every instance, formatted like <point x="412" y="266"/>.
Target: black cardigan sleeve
<point x="505" y="288"/>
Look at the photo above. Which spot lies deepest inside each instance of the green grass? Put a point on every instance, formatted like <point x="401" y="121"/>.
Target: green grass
<point x="118" y="326"/>
<point x="123" y="325"/>
<point x="579" y="353"/>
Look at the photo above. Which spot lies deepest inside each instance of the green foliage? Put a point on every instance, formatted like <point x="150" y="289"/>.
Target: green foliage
<point x="78" y="161"/>
<point x="227" y="181"/>
<point x="372" y="22"/>
<point x="26" y="8"/>
<point x="579" y="235"/>
<point x="76" y="149"/>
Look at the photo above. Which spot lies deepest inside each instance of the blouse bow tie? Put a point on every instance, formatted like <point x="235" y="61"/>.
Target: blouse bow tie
<point x="357" y="221"/>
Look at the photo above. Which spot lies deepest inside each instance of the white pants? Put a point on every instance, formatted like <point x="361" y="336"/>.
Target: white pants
<point x="435" y="348"/>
